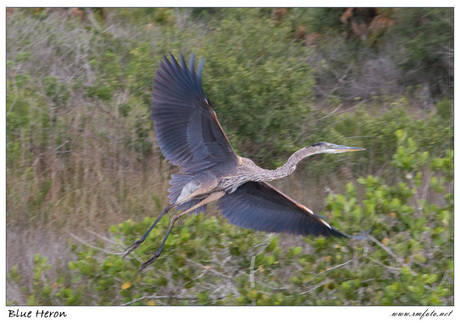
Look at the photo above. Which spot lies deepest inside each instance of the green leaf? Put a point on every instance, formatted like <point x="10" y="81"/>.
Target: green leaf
<point x="429" y="278"/>
<point x="273" y="243"/>
<point x="419" y="258"/>
<point x="76" y="279"/>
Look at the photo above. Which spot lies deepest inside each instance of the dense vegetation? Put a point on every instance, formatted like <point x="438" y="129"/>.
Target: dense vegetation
<point x="84" y="168"/>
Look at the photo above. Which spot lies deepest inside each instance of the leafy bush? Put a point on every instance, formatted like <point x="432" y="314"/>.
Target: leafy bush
<point x="407" y="261"/>
<point x="422" y="44"/>
<point x="81" y="154"/>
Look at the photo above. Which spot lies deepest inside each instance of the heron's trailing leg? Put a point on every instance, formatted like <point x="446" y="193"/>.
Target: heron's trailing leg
<point x="138" y="242"/>
<point x="212" y="197"/>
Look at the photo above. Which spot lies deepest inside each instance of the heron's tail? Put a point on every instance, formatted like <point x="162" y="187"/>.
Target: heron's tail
<point x="178" y="181"/>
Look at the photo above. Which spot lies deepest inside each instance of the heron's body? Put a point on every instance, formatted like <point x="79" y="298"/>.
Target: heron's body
<point x="191" y="137"/>
<point x="229" y="179"/>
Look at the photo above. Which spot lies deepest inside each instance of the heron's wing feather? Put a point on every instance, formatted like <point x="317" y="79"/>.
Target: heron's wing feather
<point x="260" y="206"/>
<point x="187" y="128"/>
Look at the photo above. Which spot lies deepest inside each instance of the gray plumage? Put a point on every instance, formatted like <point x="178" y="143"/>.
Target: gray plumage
<point x="191" y="137"/>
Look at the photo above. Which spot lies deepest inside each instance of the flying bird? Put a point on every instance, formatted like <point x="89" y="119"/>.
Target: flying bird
<point x="191" y="137"/>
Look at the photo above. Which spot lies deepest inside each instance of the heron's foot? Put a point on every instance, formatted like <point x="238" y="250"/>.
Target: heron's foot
<point x="132" y="247"/>
<point x="150" y="261"/>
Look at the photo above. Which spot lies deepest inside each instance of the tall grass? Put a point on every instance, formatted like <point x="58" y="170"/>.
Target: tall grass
<point x="74" y="162"/>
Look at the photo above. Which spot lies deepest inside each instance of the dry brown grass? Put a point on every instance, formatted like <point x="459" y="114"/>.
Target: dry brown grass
<point x="88" y="192"/>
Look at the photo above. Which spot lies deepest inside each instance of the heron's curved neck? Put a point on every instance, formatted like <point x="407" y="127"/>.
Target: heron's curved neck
<point x="291" y="164"/>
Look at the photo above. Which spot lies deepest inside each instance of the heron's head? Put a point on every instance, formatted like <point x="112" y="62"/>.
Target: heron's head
<point x="328" y="148"/>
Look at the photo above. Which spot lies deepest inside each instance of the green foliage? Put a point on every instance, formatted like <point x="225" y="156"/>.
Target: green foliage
<point x="162" y="16"/>
<point x="322" y="20"/>
<point x="377" y="135"/>
<point x="408" y="259"/>
<point x="417" y="52"/>
<point x="411" y="236"/>
<point x="57" y="92"/>
<point x="44" y="291"/>
<point x="444" y="109"/>
<point x="260" y="83"/>
<point x="81" y="153"/>
<point x="424" y="41"/>
<point x="242" y="72"/>
<point x="407" y="157"/>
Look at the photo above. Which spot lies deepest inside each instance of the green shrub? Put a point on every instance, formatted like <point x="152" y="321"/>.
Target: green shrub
<point x="422" y="44"/>
<point x="408" y="259"/>
<point x="81" y="153"/>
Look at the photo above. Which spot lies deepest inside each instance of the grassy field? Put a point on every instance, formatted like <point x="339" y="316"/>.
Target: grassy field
<point x="84" y="169"/>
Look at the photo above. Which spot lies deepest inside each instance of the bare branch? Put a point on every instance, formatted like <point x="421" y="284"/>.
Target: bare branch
<point x="381" y="245"/>
<point x="389" y="267"/>
<point x="251" y="276"/>
<point x="317" y="286"/>
<point x="91" y="246"/>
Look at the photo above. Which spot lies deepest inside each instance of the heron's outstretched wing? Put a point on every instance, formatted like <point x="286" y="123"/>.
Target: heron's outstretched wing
<point x="187" y="128"/>
<point x="260" y="206"/>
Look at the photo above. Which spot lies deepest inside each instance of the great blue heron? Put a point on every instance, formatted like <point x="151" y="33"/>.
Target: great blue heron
<point x="191" y="137"/>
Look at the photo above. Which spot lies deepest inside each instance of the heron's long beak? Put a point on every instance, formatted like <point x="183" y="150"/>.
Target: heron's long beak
<point x="341" y="149"/>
